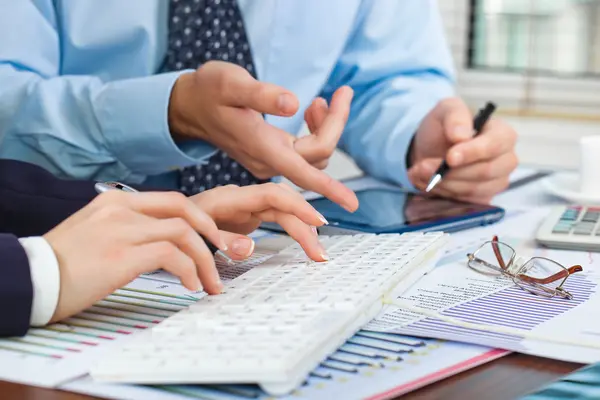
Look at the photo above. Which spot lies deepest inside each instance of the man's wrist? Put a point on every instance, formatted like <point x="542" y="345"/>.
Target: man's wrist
<point x="182" y="126"/>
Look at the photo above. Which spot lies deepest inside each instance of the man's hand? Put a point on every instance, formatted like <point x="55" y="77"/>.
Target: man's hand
<point x="242" y="209"/>
<point x="120" y="235"/>
<point x="222" y="104"/>
<point x="480" y="167"/>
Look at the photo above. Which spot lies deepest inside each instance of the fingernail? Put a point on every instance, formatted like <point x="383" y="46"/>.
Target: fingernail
<point x="322" y="218"/>
<point x="286" y="103"/>
<point x="243" y="247"/>
<point x="323" y="253"/>
<point x="314" y="230"/>
<point x="462" y="132"/>
<point x="348" y="207"/>
<point x="219" y="285"/>
<point x="456" y="157"/>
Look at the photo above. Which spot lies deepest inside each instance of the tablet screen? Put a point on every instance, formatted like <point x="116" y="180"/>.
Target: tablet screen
<point x="381" y="208"/>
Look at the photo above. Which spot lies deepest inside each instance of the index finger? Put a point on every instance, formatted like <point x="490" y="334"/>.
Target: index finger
<point x="174" y="204"/>
<point x="295" y="168"/>
<point x="495" y="140"/>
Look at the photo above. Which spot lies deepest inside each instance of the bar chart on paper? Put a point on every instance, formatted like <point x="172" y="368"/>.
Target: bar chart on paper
<point x="52" y="355"/>
<point x="510" y="307"/>
<point x="456" y="291"/>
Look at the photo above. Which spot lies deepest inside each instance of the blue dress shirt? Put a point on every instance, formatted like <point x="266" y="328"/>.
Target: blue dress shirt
<point x="80" y="94"/>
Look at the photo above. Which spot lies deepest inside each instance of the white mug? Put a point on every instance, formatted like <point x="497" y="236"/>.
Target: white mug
<point x="589" y="165"/>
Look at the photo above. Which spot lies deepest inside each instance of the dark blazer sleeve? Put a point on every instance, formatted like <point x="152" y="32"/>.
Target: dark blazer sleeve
<point x="16" y="289"/>
<point x="33" y="201"/>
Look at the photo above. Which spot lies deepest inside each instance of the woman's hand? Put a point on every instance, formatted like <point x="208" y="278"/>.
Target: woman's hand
<point x="242" y="209"/>
<point x="119" y="236"/>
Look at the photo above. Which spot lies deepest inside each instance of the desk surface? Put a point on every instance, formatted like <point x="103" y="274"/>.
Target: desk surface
<point x="506" y="378"/>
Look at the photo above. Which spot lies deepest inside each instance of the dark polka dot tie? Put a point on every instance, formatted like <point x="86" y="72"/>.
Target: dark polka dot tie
<point x="201" y="31"/>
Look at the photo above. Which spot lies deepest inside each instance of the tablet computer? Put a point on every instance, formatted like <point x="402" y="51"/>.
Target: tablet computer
<point x="395" y="211"/>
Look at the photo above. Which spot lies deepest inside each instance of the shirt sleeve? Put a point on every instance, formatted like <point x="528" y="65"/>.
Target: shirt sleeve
<point x="399" y="65"/>
<point x="80" y="126"/>
<point x="45" y="277"/>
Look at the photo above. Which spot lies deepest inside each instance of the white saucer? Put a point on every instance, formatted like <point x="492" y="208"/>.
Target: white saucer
<point x="566" y="186"/>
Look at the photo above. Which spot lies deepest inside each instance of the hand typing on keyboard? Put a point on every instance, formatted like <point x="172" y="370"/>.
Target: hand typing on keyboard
<point x="121" y="235"/>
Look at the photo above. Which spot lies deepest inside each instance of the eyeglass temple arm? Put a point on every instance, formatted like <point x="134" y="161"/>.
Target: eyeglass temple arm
<point x="552" y="278"/>
<point x="497" y="252"/>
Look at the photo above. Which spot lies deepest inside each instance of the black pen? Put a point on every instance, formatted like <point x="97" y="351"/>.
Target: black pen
<point x="478" y="123"/>
<point x="102" y="187"/>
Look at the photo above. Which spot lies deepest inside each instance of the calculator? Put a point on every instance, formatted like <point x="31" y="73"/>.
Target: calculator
<point x="573" y="227"/>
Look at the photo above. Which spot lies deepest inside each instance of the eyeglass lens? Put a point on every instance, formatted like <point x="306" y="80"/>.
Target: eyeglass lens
<point x="541" y="276"/>
<point x="492" y="258"/>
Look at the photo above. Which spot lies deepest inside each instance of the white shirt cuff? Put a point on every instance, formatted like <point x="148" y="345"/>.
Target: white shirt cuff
<point x="45" y="277"/>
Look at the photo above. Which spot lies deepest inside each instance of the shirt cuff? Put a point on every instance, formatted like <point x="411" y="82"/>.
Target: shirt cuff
<point x="45" y="277"/>
<point x="133" y="114"/>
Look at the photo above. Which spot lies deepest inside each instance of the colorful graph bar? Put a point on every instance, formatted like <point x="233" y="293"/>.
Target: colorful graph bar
<point x="131" y="296"/>
<point x="34" y="353"/>
<point x="44" y="345"/>
<point x="120" y="314"/>
<point x="187" y="297"/>
<point x="93" y="319"/>
<point x="61" y="339"/>
<point x="72" y="331"/>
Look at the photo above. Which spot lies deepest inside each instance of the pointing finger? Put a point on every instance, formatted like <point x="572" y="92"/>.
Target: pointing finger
<point x="302" y="174"/>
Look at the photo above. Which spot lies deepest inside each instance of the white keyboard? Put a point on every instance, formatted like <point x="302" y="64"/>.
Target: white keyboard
<point x="274" y="324"/>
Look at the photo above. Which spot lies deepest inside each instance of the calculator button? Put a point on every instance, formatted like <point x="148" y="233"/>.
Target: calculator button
<point x="584" y="228"/>
<point x="562" y="228"/>
<point x="570" y="215"/>
<point x="591" y="216"/>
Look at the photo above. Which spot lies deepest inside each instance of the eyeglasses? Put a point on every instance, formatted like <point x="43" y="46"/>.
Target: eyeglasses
<point x="538" y="275"/>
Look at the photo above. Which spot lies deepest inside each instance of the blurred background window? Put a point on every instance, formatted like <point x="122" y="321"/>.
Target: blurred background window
<point x="552" y="37"/>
